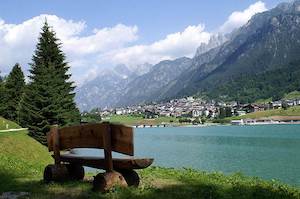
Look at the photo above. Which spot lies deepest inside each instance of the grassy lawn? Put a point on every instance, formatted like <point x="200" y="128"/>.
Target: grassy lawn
<point x="6" y="123"/>
<point x="289" y="96"/>
<point x="263" y="101"/>
<point x="292" y="111"/>
<point x="292" y="95"/>
<point x="22" y="161"/>
<point x="138" y="120"/>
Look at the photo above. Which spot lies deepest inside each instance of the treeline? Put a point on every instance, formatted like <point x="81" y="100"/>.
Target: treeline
<point x="11" y="91"/>
<point x="247" y="88"/>
<point x="48" y="98"/>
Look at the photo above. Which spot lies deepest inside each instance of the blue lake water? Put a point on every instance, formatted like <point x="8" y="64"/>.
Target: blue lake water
<point x="267" y="151"/>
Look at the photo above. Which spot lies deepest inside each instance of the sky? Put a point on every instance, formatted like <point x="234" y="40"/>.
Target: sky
<point x="98" y="34"/>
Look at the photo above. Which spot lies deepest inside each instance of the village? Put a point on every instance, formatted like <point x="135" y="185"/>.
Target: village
<point x="192" y="108"/>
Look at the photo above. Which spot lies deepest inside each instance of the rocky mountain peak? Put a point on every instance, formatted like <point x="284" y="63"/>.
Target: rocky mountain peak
<point x="214" y="41"/>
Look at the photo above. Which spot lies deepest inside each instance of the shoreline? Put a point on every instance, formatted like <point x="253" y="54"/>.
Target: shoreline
<point x="214" y="124"/>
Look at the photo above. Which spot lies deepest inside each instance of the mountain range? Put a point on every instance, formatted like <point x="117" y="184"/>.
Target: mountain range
<point x="259" y="60"/>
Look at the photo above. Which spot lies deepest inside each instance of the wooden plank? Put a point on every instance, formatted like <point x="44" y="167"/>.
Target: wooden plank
<point x="56" y="144"/>
<point x="50" y="140"/>
<point x="83" y="136"/>
<point x="122" y="139"/>
<point x="107" y="150"/>
<point x="99" y="162"/>
<point x="91" y="136"/>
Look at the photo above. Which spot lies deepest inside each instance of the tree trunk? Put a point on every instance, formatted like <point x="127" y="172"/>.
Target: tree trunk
<point x="57" y="173"/>
<point x="106" y="181"/>
<point x="132" y="178"/>
<point x="76" y="171"/>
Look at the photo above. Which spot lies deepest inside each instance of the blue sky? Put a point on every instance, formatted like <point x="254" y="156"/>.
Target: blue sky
<point x="98" y="35"/>
<point x="155" y="18"/>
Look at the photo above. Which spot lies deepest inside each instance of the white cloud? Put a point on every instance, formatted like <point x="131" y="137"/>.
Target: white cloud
<point x="239" y="18"/>
<point x="17" y="42"/>
<point x="89" y="53"/>
<point x="103" y="48"/>
<point x="172" y="46"/>
<point x="102" y="40"/>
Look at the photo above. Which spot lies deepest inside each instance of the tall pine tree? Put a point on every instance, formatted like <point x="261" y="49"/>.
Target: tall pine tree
<point x="13" y="87"/>
<point x="49" y="97"/>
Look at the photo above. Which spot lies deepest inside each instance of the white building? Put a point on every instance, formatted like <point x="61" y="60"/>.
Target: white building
<point x="196" y="113"/>
<point x="240" y="113"/>
<point x="237" y="122"/>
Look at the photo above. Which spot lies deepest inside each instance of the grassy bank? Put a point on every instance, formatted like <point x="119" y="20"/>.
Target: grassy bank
<point x="22" y="161"/>
<point x="292" y="111"/>
<point x="292" y="95"/>
<point x="139" y="120"/>
<point x="6" y="123"/>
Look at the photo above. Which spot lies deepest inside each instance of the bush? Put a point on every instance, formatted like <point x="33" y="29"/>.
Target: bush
<point x="221" y="121"/>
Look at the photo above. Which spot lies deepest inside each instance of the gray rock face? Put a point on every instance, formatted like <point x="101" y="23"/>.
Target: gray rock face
<point x="215" y="41"/>
<point x="146" y="88"/>
<point x="105" y="89"/>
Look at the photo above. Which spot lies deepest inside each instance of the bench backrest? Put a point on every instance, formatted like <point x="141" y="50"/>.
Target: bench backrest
<point x="113" y="137"/>
<point x="110" y="137"/>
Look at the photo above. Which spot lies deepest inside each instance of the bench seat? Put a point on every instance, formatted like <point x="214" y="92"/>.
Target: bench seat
<point x="129" y="163"/>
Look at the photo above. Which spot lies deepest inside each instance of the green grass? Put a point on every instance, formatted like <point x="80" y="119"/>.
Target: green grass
<point x="139" y="120"/>
<point x="292" y="111"/>
<point x="4" y="122"/>
<point x="292" y="95"/>
<point x="287" y="96"/>
<point x="263" y="101"/>
<point x="22" y="161"/>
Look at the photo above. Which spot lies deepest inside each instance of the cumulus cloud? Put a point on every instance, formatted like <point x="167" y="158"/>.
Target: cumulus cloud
<point x="102" y="40"/>
<point x="239" y="18"/>
<point x="89" y="53"/>
<point x="172" y="46"/>
<point x="17" y="41"/>
<point x="102" y="48"/>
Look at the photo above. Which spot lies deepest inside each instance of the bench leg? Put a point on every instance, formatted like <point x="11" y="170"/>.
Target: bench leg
<point x="56" y="172"/>
<point x="106" y="181"/>
<point x="132" y="177"/>
<point x="76" y="171"/>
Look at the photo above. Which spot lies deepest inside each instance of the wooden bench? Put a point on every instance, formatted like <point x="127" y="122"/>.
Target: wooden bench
<point x="107" y="136"/>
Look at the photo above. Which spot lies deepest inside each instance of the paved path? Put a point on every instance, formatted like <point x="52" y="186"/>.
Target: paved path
<point x="12" y="130"/>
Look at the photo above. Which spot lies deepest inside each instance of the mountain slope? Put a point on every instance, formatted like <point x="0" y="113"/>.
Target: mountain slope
<point x="145" y="88"/>
<point x="105" y="89"/>
<point x="215" y="41"/>
<point x="269" y="41"/>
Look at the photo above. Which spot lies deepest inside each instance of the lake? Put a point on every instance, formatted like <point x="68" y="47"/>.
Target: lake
<point x="267" y="151"/>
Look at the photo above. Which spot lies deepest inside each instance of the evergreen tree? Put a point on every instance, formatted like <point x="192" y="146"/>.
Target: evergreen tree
<point x="49" y="97"/>
<point x="222" y="113"/>
<point x="2" y="93"/>
<point x="228" y="112"/>
<point x="14" y="87"/>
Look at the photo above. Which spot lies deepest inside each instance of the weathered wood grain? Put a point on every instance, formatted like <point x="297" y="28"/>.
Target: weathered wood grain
<point x="92" y="136"/>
